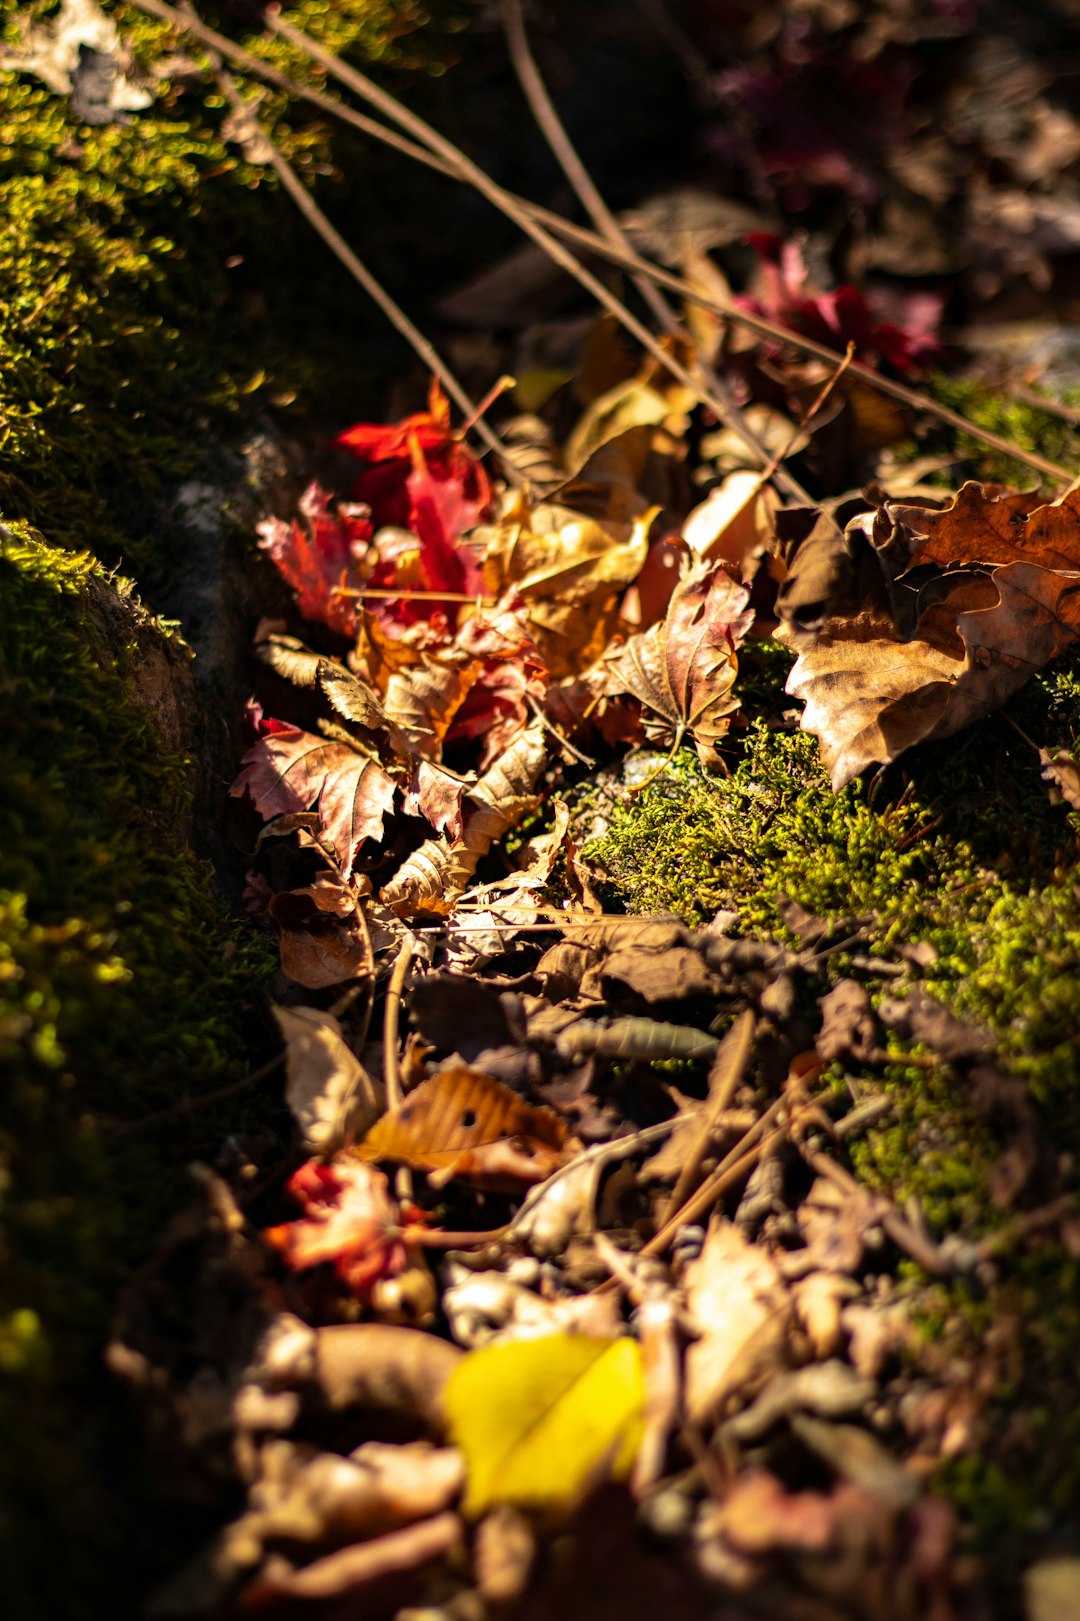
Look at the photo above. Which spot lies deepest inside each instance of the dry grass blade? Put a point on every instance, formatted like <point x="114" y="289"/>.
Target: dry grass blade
<point x="319" y="222"/>
<point x="719" y="397"/>
<point x="591" y="242"/>
<point x="728" y="1069"/>
<point x="503" y="200"/>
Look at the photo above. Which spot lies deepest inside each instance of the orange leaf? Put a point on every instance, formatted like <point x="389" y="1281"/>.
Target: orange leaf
<point x="461" y="1122"/>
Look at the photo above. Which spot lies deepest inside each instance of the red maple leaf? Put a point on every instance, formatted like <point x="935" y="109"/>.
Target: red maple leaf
<point x="289" y="770"/>
<point x="838" y="318"/>
<point x="320" y="551"/>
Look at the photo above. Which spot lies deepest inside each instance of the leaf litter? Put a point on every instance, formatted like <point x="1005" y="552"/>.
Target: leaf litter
<point x="583" y="1261"/>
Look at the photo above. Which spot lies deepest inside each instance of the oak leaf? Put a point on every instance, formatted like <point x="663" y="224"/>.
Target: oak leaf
<point x="682" y="670"/>
<point x="290" y="770"/>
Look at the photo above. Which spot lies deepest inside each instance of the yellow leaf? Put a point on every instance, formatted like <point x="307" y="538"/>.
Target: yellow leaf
<point x="542" y="1421"/>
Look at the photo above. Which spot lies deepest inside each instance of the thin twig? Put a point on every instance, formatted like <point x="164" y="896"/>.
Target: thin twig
<point x="403" y="1182"/>
<point x="360" y="273"/>
<point x="591" y="242"/>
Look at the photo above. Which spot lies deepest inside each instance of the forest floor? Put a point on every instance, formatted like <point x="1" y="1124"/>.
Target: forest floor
<point x="545" y="1060"/>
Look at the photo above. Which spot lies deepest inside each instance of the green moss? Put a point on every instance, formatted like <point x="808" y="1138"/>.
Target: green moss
<point x="1019" y="421"/>
<point x="960" y="851"/>
<point x="122" y="986"/>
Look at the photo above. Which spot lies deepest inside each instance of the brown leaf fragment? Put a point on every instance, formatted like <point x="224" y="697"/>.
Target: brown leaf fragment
<point x="860" y="1458"/>
<point x="504" y="1554"/>
<point x="830" y="1389"/>
<point x="362" y="1564"/>
<point x="916" y="622"/>
<point x="1062" y="771"/>
<point x="321" y="935"/>
<point x="461" y="1122"/>
<point x="737" y="1301"/>
<point x="330" y="1093"/>
<point x="682" y="670"/>
<point x="759" y="1516"/>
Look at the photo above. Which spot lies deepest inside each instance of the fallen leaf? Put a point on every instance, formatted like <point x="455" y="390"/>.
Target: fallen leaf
<point x="759" y="1516"/>
<point x="60" y="52"/>
<point x="363" y="1563"/>
<point x="463" y="1123"/>
<point x="831" y="1389"/>
<point x="329" y="1091"/>
<point x="438" y="872"/>
<point x="382" y="1368"/>
<point x="485" y="1308"/>
<point x="860" y="1458"/>
<point x="1052" y="1590"/>
<point x="682" y="670"/>
<point x="542" y="1421"/>
<point x="320" y="552"/>
<point x="290" y="770"/>
<point x="321" y="935"/>
<point x="349" y="1219"/>
<point x="1062" y="771"/>
<point x="966" y="603"/>
<point x="733" y="525"/>
<point x="740" y="1308"/>
<point x="568" y="570"/>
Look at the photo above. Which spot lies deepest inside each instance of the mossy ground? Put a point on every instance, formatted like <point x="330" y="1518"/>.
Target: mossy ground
<point x="956" y="847"/>
<point x="136" y="332"/>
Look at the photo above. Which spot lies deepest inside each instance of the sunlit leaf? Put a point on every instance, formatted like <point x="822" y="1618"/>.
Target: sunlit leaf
<point x="542" y="1421"/>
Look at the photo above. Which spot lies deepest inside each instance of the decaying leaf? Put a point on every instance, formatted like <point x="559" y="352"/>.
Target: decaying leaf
<point x="568" y="569"/>
<point x="290" y="770"/>
<point x="463" y="1123"/>
<point x="682" y="670"/>
<point x="349" y="1219"/>
<point x="351" y="1569"/>
<point x="541" y="1421"/>
<point x="329" y="1091"/>
<point x="741" y="1309"/>
<point x="488" y="1307"/>
<point x="1062" y="771"/>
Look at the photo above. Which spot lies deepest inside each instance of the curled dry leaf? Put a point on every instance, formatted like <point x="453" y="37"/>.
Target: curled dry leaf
<point x="541" y="1421"/>
<point x="362" y="1563"/>
<point x="383" y="1368"/>
<point x="923" y="621"/>
<point x="463" y="1123"/>
<point x="1062" y="772"/>
<point x="349" y="1218"/>
<point x="330" y="1093"/>
<point x="682" y="670"/>
<point x="437" y="873"/>
<point x="485" y="1308"/>
<point x="739" y="1305"/>
<point x="321" y="935"/>
<point x="569" y="570"/>
<point x="289" y="770"/>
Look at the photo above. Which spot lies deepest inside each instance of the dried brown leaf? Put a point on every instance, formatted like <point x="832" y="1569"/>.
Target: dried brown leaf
<point x="436" y="874"/>
<point x="741" y="1309"/>
<point x="330" y="1093"/>
<point x="461" y="1122"/>
<point x="682" y="670"/>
